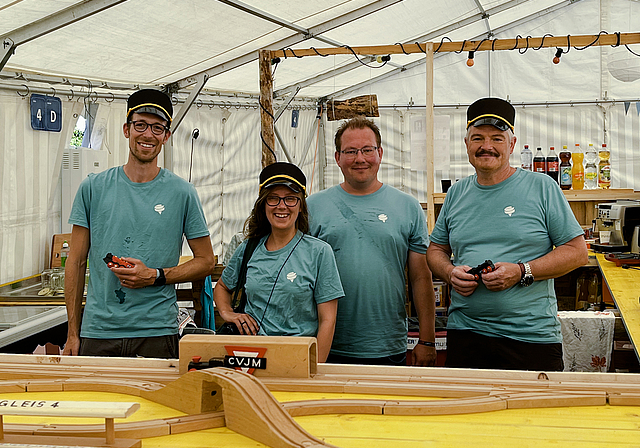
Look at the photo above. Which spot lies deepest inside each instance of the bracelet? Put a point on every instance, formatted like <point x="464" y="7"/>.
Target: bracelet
<point x="427" y="343"/>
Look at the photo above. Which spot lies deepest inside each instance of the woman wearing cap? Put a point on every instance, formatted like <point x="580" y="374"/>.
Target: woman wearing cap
<point x="292" y="279"/>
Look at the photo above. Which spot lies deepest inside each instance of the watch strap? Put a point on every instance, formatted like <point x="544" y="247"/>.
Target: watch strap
<point x="160" y="278"/>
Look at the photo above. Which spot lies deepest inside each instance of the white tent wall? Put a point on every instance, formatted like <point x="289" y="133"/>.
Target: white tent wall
<point x="536" y="126"/>
<point x="29" y="185"/>
<point x="225" y="169"/>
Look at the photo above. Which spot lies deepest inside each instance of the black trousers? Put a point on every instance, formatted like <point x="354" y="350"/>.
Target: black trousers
<point x="151" y="347"/>
<point x="468" y="349"/>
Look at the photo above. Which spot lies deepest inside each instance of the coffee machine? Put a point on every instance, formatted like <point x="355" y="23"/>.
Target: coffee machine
<point x="620" y="219"/>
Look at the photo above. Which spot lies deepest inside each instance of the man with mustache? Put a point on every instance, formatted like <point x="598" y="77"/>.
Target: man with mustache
<point x="521" y="221"/>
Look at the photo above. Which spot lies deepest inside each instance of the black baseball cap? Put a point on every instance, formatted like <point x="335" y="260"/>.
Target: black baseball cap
<point x="283" y="173"/>
<point x="150" y="101"/>
<point x="494" y="111"/>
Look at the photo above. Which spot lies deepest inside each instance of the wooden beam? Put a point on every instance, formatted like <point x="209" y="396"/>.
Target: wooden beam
<point x="266" y="109"/>
<point x="429" y="129"/>
<point x="472" y="45"/>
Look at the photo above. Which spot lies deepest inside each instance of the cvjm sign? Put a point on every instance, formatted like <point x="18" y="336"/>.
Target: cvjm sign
<point x="46" y="113"/>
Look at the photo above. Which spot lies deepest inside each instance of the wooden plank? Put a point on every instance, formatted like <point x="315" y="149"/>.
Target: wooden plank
<point x="430" y="140"/>
<point x="486" y="45"/>
<point x="364" y="105"/>
<point x="59" y="441"/>
<point x="56" y="246"/>
<point x="624" y="285"/>
<point x="98" y="409"/>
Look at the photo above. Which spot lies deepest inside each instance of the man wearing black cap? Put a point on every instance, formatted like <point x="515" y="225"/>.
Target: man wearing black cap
<point x="137" y="212"/>
<point x="521" y="221"/>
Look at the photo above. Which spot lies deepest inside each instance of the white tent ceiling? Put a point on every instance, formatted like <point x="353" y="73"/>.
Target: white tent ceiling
<point x="93" y="53"/>
<point x="136" y="42"/>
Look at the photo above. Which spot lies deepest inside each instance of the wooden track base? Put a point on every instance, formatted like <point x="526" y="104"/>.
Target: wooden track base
<point x="97" y="442"/>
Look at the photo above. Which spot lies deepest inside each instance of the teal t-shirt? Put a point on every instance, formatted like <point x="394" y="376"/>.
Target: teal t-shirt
<point x="309" y="277"/>
<point x="140" y="220"/>
<point x="519" y="219"/>
<point x="371" y="237"/>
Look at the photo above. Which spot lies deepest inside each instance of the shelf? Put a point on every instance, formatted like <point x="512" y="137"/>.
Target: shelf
<point x="575" y="195"/>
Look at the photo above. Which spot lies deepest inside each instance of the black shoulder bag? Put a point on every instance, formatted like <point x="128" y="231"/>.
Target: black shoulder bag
<point x="239" y="296"/>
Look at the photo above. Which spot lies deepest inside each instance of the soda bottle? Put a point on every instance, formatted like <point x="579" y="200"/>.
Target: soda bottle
<point x="565" y="169"/>
<point x="577" y="171"/>
<point x="539" y="162"/>
<point x="64" y="253"/>
<point x="552" y="164"/>
<point x="590" y="168"/>
<point x="604" y="168"/>
<point x="526" y="158"/>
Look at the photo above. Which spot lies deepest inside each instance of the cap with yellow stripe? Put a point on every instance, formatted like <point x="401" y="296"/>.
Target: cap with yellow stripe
<point x="491" y="111"/>
<point x="283" y="173"/>
<point x="150" y="101"/>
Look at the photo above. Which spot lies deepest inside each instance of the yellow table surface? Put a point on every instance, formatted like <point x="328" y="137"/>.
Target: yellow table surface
<point x="624" y="285"/>
<point x="589" y="426"/>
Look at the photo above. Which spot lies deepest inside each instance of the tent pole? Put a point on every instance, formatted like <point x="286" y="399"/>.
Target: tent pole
<point x="267" y="133"/>
<point x="429" y="129"/>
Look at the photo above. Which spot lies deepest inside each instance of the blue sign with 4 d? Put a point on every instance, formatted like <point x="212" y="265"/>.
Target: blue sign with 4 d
<point x="46" y="113"/>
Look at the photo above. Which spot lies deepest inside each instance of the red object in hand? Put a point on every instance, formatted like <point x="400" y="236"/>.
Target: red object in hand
<point x="116" y="262"/>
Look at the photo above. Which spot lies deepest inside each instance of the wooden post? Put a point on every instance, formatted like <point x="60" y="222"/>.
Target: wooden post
<point x="429" y="129"/>
<point x="110" y="431"/>
<point x="266" y="109"/>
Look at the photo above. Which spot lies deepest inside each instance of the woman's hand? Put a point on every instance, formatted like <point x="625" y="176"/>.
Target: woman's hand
<point x="245" y="323"/>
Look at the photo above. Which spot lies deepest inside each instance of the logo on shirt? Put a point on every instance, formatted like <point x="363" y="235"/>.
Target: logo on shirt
<point x="291" y="276"/>
<point x="159" y="208"/>
<point x="510" y="210"/>
<point x="382" y="217"/>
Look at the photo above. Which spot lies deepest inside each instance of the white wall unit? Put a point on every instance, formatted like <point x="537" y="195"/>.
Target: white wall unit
<point x="77" y="163"/>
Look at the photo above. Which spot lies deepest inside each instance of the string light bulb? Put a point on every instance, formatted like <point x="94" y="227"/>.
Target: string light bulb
<point x="556" y="59"/>
<point x="381" y="59"/>
<point x="470" y="60"/>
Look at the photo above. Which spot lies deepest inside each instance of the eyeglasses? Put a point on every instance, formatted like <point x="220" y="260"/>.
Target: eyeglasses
<point x="289" y="201"/>
<point x="156" y="128"/>
<point x="366" y="151"/>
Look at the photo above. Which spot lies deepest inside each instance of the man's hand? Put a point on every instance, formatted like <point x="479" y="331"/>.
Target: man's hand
<point x="463" y="282"/>
<point x="505" y="276"/>
<point x="72" y="346"/>
<point x="138" y="276"/>
<point x="423" y="356"/>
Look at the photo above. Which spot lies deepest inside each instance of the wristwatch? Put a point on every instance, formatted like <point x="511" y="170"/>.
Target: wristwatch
<point x="527" y="277"/>
<point x="160" y="278"/>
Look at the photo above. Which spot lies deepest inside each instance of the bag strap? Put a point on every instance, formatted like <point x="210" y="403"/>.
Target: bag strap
<point x="252" y="243"/>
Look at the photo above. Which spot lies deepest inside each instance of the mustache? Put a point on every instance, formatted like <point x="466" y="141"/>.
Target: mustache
<point x="483" y="152"/>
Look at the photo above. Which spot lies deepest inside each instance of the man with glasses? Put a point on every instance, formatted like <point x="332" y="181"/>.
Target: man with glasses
<point x="139" y="213"/>
<point x="375" y="231"/>
<point x="521" y="221"/>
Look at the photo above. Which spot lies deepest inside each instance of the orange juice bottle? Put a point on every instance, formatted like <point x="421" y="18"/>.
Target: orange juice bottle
<point x="577" y="171"/>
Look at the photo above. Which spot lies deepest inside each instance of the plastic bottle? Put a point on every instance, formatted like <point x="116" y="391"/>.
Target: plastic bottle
<point x="526" y="158"/>
<point x="577" y="170"/>
<point x="590" y="168"/>
<point x="64" y="253"/>
<point x="604" y="167"/>
<point x="565" y="169"/>
<point x="552" y="164"/>
<point x="539" y="162"/>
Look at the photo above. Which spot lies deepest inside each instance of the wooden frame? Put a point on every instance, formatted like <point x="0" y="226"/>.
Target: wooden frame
<point x="429" y="49"/>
